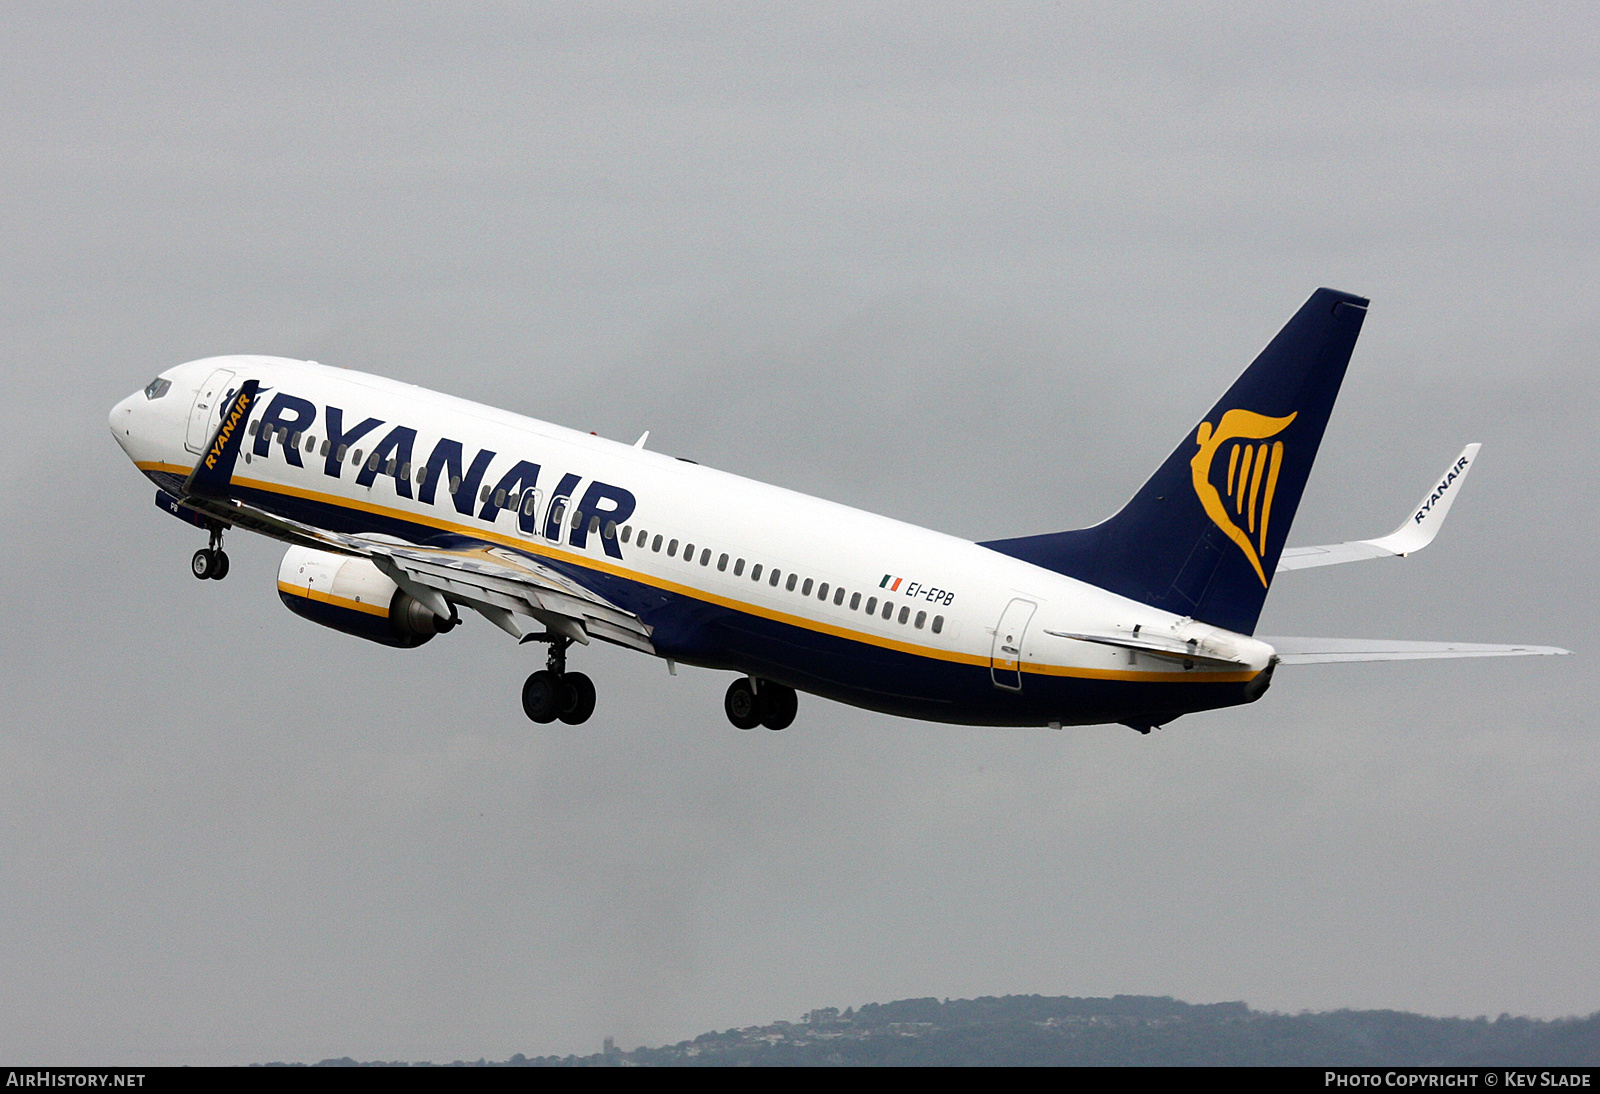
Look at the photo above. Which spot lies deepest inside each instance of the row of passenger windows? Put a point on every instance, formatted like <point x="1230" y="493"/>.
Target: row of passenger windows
<point x="529" y="501"/>
<point x="791" y="582"/>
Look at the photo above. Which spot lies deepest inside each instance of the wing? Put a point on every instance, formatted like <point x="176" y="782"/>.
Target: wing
<point x="497" y="583"/>
<point x="1322" y="651"/>
<point x="1414" y="533"/>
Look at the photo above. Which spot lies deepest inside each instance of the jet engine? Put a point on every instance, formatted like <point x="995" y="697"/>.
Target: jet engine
<point x="352" y="595"/>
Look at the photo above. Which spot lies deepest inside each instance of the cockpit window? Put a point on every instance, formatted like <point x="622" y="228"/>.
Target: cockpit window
<point x="156" y="388"/>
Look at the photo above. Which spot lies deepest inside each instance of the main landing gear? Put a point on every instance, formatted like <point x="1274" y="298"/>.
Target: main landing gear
<point x="751" y="702"/>
<point x="553" y="692"/>
<point x="211" y="562"/>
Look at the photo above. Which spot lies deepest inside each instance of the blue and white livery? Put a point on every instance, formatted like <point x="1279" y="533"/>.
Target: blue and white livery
<point x="403" y="508"/>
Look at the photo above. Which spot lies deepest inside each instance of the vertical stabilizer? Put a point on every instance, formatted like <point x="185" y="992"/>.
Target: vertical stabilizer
<point x="1202" y="537"/>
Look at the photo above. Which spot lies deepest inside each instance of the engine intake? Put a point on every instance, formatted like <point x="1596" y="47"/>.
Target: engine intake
<point x="352" y="595"/>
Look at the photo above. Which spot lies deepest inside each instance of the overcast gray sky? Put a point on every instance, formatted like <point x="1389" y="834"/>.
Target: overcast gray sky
<point x="964" y="265"/>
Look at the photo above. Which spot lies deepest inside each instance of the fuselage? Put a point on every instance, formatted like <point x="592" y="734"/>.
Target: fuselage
<point x="727" y="572"/>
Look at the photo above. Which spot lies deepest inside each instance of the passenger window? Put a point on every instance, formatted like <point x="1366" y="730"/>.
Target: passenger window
<point x="294" y="442"/>
<point x="755" y="572"/>
<point x="500" y="498"/>
<point x="672" y="549"/>
<point x="922" y="617"/>
<point x="938" y="624"/>
<point x="688" y="553"/>
<point x="388" y="468"/>
<point x="705" y="556"/>
<point x="722" y="564"/>
<point x="594" y="526"/>
<point x="805" y="590"/>
<point x="529" y="500"/>
<point x="773" y="580"/>
<point x="822" y="592"/>
<point x="311" y="444"/>
<point x="255" y="427"/>
<point x="789" y="586"/>
<point x="355" y="457"/>
<point x="838" y="596"/>
<point x="611" y="529"/>
<point x="344" y="450"/>
<point x="577" y="517"/>
<point x="855" y="601"/>
<point x="422" y="475"/>
<point x="326" y="445"/>
<point x="656" y="546"/>
<point x="484" y="496"/>
<point x="888" y="609"/>
<point x="405" y="469"/>
<point x="627" y="532"/>
<point x="372" y="462"/>
<point x="872" y="604"/>
<point x="738" y="568"/>
<point x="455" y="484"/>
<point x="905" y="613"/>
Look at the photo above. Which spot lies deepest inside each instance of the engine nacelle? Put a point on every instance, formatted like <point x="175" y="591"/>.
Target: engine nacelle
<point x="352" y="595"/>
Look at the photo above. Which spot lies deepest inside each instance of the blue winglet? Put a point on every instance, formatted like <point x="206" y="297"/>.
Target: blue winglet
<point x="213" y="472"/>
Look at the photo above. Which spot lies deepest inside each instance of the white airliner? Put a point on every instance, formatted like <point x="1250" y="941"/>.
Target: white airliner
<point x="403" y="506"/>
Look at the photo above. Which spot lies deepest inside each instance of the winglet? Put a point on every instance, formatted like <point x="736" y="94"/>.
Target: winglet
<point x="1414" y="533"/>
<point x="1418" y="530"/>
<point x="213" y="472"/>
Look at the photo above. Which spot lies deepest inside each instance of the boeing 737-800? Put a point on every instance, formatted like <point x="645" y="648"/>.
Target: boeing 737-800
<point x="402" y="507"/>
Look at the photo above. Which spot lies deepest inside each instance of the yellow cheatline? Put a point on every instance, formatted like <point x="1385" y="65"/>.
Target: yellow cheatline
<point x="586" y="562"/>
<point x="337" y="601"/>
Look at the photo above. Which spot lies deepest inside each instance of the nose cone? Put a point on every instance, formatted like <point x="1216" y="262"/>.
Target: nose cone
<point x="122" y="421"/>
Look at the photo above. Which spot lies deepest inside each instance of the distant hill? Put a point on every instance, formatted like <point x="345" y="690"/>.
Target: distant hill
<point x="1020" y="1030"/>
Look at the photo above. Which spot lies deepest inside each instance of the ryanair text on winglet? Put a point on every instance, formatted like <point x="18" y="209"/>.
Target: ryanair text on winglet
<point x="241" y="409"/>
<point x="1438" y="492"/>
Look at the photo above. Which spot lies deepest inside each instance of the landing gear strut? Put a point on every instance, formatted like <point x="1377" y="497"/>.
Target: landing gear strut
<point x="553" y="692"/>
<point x="752" y="702"/>
<point x="211" y="562"/>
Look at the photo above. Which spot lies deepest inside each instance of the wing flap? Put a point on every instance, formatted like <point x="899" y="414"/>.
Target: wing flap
<point x="1327" y="651"/>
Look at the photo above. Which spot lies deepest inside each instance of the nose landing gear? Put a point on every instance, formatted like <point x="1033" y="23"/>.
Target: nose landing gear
<point x="210" y="562"/>
<point x="553" y="692"/>
<point x="751" y="702"/>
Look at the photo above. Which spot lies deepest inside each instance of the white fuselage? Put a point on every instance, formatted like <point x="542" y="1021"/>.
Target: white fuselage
<point x="947" y="597"/>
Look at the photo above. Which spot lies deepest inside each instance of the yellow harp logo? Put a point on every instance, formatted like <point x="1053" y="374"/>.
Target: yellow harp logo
<point x="1252" y="477"/>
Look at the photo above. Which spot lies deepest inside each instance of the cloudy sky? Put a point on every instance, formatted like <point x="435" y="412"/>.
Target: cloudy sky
<point x="962" y="265"/>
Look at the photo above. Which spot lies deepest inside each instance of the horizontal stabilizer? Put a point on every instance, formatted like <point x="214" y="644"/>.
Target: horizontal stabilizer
<point x="1414" y="533"/>
<point x="1325" y="651"/>
<point x="1170" y="648"/>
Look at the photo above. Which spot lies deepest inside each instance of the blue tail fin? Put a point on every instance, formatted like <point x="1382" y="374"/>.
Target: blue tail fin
<point x="1202" y="537"/>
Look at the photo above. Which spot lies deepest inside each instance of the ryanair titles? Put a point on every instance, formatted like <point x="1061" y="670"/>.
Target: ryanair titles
<point x="1451" y="476"/>
<point x="239" y="412"/>
<point x="600" y="511"/>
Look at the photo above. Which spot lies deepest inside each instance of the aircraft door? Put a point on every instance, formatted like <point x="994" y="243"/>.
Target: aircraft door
<point x="207" y="410"/>
<point x="1005" y="660"/>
